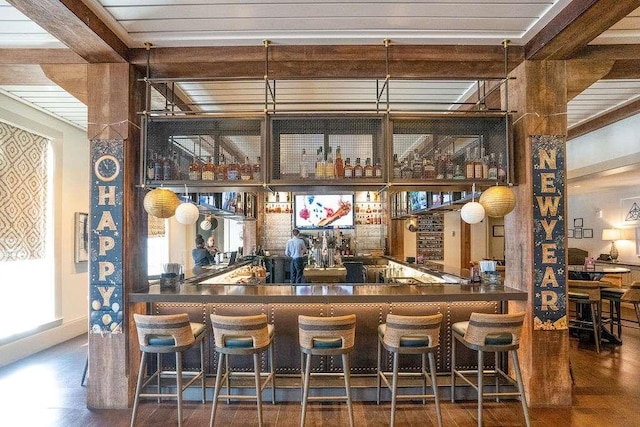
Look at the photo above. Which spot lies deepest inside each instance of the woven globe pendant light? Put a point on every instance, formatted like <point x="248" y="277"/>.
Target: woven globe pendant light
<point x="498" y="201"/>
<point x="161" y="203"/>
<point x="187" y="213"/>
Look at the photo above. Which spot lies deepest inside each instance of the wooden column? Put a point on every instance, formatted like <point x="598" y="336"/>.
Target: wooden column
<point x="118" y="233"/>
<point x="539" y="96"/>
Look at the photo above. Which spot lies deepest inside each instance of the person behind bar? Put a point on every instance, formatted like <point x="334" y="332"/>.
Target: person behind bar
<point x="200" y="254"/>
<point x="211" y="246"/>
<point x="296" y="249"/>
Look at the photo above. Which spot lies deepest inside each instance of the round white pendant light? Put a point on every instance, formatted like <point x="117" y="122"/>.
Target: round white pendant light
<point x="187" y="213"/>
<point x="472" y="213"/>
<point x="205" y="224"/>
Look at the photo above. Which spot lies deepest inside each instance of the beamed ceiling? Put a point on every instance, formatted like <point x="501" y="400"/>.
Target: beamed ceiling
<point x="323" y="52"/>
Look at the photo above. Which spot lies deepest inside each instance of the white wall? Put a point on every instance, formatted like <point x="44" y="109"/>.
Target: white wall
<point x="71" y="187"/>
<point x="585" y="206"/>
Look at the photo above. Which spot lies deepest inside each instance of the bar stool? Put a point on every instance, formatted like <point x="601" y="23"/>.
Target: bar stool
<point x="242" y="335"/>
<point x="632" y="296"/>
<point x="326" y="336"/>
<point x="160" y="334"/>
<point x="410" y="335"/>
<point x="493" y="333"/>
<point x="586" y="293"/>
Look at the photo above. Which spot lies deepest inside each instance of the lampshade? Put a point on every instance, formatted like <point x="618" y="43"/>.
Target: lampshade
<point x="161" y="203"/>
<point x="205" y="224"/>
<point x="611" y="234"/>
<point x="187" y="213"/>
<point x="411" y="224"/>
<point x="497" y="201"/>
<point x="472" y="213"/>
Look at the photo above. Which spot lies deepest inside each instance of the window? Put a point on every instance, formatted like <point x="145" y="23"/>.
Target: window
<point x="26" y="231"/>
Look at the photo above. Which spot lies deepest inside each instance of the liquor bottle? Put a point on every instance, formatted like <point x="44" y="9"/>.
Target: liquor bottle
<point x="151" y="167"/>
<point x="358" y="170"/>
<point x="492" y="173"/>
<point x="478" y="165"/>
<point x="397" y="167"/>
<point x="448" y="167"/>
<point x="368" y="168"/>
<point x="221" y="169"/>
<point x="257" y="169"/>
<point x="368" y="197"/>
<point x="405" y="170"/>
<point x="166" y="169"/>
<point x="320" y="164"/>
<point x="329" y="171"/>
<point x="277" y="197"/>
<point x="377" y="169"/>
<point x="502" y="171"/>
<point x="157" y="168"/>
<point x="469" y="165"/>
<point x="304" y="166"/>
<point x="458" y="173"/>
<point x="233" y="171"/>
<point x="416" y="165"/>
<point x="246" y="170"/>
<point x="348" y="169"/>
<point x="439" y="165"/>
<point x="195" y="170"/>
<point x="339" y="164"/>
<point x="176" y="172"/>
<point x="428" y="169"/>
<point x="208" y="170"/>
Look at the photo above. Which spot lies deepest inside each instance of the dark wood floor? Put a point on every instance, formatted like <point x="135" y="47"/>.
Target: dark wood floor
<point x="44" y="390"/>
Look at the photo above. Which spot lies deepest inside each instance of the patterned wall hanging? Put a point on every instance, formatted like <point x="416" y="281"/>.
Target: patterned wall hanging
<point x="23" y="194"/>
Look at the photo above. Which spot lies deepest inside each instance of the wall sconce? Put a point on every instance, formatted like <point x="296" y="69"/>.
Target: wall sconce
<point x="612" y="234"/>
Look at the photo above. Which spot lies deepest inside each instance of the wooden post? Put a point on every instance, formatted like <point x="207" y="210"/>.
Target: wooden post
<point x="118" y="233"/>
<point x="539" y="96"/>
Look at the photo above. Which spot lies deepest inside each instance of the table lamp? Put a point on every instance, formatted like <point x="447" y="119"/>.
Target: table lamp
<point x="612" y="234"/>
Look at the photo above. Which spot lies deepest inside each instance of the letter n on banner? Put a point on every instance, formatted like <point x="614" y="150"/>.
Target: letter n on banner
<point x="549" y="201"/>
<point x="105" y="243"/>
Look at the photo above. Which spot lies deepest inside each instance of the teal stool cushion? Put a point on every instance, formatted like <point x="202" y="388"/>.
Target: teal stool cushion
<point x="491" y="339"/>
<point x="243" y="341"/>
<point x="327" y="342"/>
<point x="409" y="341"/>
<point x="166" y="340"/>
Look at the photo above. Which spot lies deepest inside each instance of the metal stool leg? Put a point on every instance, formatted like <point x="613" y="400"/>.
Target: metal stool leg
<point x="305" y="388"/>
<point x="256" y="369"/>
<point x="516" y="368"/>
<point x="453" y="367"/>
<point x="346" y="366"/>
<point x="216" y="390"/>
<point x="434" y="387"/>
<point x="379" y="372"/>
<point x="179" y="385"/>
<point x="480" y="375"/>
<point x="84" y="371"/>
<point x="136" y="398"/>
<point x="394" y="388"/>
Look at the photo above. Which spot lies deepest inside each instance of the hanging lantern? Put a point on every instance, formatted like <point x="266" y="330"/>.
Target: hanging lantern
<point x="187" y="213"/>
<point x="472" y="213"/>
<point x="161" y="203"/>
<point x="498" y="201"/>
<point x="206" y="224"/>
<point x="411" y="224"/>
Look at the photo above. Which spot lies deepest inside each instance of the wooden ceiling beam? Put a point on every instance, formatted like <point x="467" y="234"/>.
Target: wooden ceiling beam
<point x="447" y="62"/>
<point x="583" y="73"/>
<point x="75" y="25"/>
<point x="575" y="26"/>
<point x="627" y="110"/>
<point x="39" y="56"/>
<point x="20" y="74"/>
<point x="70" y="77"/>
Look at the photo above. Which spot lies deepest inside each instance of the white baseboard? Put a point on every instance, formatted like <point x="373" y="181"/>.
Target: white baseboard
<point x="23" y="347"/>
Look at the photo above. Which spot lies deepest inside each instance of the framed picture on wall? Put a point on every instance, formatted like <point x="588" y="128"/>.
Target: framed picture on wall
<point x="630" y="211"/>
<point x="81" y="237"/>
<point x="577" y="233"/>
<point x="498" y="231"/>
<point x="577" y="223"/>
<point x="570" y="233"/>
<point x="587" y="233"/>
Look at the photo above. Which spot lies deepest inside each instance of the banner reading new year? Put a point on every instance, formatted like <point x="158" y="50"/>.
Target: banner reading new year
<point x="549" y="199"/>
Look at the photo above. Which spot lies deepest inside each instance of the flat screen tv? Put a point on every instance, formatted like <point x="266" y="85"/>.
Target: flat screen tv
<point x="314" y="211"/>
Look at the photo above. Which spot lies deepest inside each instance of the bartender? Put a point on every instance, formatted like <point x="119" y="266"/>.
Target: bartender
<point x="200" y="254"/>
<point x="296" y="249"/>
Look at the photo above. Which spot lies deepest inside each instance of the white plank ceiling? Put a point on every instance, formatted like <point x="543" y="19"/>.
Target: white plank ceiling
<point x="176" y="23"/>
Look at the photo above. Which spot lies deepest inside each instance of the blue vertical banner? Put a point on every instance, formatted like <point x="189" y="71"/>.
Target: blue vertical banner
<point x="105" y="242"/>
<point x="549" y="200"/>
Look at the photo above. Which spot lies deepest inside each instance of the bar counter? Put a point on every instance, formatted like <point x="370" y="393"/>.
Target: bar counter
<point x="371" y="302"/>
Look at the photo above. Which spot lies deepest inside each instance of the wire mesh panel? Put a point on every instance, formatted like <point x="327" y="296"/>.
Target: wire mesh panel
<point x="327" y="149"/>
<point x="451" y="149"/>
<point x="204" y="149"/>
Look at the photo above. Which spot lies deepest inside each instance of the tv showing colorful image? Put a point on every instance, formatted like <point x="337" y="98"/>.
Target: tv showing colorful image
<point x="417" y="200"/>
<point x="323" y="211"/>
